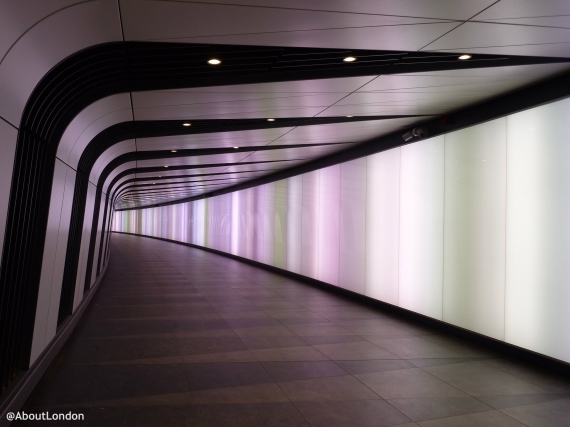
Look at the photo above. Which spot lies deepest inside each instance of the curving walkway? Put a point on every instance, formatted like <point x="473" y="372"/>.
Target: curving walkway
<point x="177" y="336"/>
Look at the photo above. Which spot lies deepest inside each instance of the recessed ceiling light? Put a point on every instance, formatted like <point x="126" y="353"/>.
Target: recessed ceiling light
<point x="173" y="151"/>
<point x="154" y="182"/>
<point x="270" y="120"/>
<point x="465" y="57"/>
<point x="214" y="61"/>
<point x="349" y="59"/>
<point x="186" y="124"/>
<point x="166" y="166"/>
<point x="348" y="116"/>
<point x="236" y="148"/>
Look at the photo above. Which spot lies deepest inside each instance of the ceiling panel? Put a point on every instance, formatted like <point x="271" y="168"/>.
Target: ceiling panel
<point x="473" y="37"/>
<point x="48" y="42"/>
<point x="212" y="140"/>
<point x="436" y="9"/>
<point x="525" y="9"/>
<point x="187" y="21"/>
<point x="194" y="160"/>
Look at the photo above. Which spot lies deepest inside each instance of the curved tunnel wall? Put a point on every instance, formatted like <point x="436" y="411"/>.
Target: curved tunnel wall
<point x="470" y="228"/>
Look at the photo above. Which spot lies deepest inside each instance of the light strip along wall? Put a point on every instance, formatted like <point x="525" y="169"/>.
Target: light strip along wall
<point x="472" y="228"/>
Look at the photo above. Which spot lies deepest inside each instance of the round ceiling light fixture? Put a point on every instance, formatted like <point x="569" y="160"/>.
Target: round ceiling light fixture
<point x="349" y="59"/>
<point x="214" y="61"/>
<point x="186" y="124"/>
<point x="464" y="57"/>
<point x="348" y="116"/>
<point x="166" y="166"/>
<point x="236" y="148"/>
<point x="173" y="151"/>
<point x="270" y="120"/>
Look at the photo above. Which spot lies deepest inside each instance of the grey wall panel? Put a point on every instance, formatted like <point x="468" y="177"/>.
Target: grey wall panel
<point x="49" y="259"/>
<point x="8" y="138"/>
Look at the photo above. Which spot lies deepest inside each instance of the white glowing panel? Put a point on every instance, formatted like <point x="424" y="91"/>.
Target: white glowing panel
<point x="538" y="230"/>
<point x="280" y="225"/>
<point x="382" y="225"/>
<point x="352" y="225"/>
<point x="328" y="227"/>
<point x="310" y="225"/>
<point x="294" y="223"/>
<point x="474" y="228"/>
<point x="421" y="227"/>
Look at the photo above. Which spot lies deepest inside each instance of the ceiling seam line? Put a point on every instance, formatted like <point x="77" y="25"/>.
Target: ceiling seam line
<point x="453" y="29"/>
<point x="8" y="123"/>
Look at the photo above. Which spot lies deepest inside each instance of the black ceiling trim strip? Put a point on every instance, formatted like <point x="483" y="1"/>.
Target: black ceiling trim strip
<point x="119" y="67"/>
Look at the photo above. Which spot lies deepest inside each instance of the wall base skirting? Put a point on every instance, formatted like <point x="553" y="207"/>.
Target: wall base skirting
<point x="23" y="388"/>
<point x="511" y="350"/>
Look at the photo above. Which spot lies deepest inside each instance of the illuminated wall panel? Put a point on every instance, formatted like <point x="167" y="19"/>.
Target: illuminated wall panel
<point x="421" y="227"/>
<point x="382" y="225"/>
<point x="538" y="230"/>
<point x="294" y="223"/>
<point x="280" y="224"/>
<point x="471" y="228"/>
<point x="352" y="227"/>
<point x="328" y="227"/>
<point x="310" y="225"/>
<point x="474" y="229"/>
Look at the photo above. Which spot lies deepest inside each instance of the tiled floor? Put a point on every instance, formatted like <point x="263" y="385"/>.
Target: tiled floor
<point x="181" y="337"/>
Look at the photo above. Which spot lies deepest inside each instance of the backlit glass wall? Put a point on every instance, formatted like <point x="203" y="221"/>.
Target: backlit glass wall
<point x="472" y="228"/>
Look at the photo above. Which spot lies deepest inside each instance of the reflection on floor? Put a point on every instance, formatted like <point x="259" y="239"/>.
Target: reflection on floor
<point x="181" y="337"/>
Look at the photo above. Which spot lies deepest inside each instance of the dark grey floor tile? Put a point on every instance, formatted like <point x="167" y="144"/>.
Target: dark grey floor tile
<point x="479" y="419"/>
<point x="290" y="371"/>
<point x="502" y="402"/>
<point x="125" y="327"/>
<point x="84" y="351"/>
<point x="66" y="385"/>
<point x="141" y="348"/>
<point x="198" y="324"/>
<point x="408" y="384"/>
<point x="420" y="363"/>
<point x="361" y="413"/>
<point x="365" y="366"/>
<point x="122" y="381"/>
<point x="262" y="342"/>
<point x="329" y="388"/>
<point x="555" y="413"/>
<point x="152" y="416"/>
<point x="251" y="323"/>
<point x="478" y="379"/>
<point x="415" y="348"/>
<point x="332" y="339"/>
<point x="438" y="407"/>
<point x="203" y="345"/>
<point x="360" y="350"/>
<point x="204" y="376"/>
<point x="251" y="415"/>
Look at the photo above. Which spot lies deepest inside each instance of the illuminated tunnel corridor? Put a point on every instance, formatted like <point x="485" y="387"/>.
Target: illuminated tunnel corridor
<point x="285" y="212"/>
